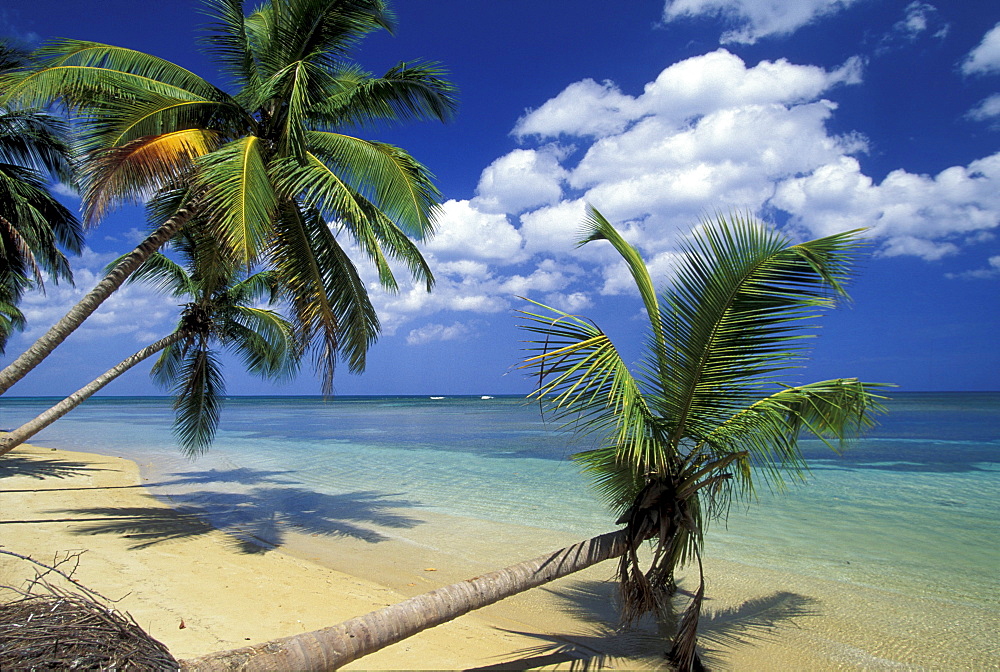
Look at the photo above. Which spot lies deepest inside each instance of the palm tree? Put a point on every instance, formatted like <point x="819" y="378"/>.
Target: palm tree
<point x="678" y="439"/>
<point x="220" y="310"/>
<point x="33" y="224"/>
<point x="266" y="167"/>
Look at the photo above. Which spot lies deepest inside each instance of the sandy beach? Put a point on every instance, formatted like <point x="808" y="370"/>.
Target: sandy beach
<point x="169" y="569"/>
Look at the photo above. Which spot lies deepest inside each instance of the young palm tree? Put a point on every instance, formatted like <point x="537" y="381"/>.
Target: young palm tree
<point x="220" y="310"/>
<point x="706" y="412"/>
<point x="269" y="168"/>
<point x="33" y="224"/>
<point x="691" y="428"/>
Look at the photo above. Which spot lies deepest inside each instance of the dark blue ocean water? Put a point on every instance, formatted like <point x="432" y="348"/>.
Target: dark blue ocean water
<point x="912" y="507"/>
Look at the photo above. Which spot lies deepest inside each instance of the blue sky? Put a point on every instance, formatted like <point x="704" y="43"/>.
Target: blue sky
<point x="817" y="115"/>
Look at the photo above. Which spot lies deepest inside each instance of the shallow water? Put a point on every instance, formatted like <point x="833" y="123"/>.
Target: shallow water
<point x="912" y="508"/>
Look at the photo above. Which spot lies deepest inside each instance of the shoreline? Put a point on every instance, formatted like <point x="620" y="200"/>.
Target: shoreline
<point x="754" y="618"/>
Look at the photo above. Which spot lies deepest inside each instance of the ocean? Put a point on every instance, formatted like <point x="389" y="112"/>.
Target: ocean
<point x="912" y="508"/>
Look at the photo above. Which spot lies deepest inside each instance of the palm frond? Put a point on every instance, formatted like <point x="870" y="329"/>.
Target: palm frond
<point x="136" y="170"/>
<point x="384" y="175"/>
<point x="33" y="139"/>
<point x="582" y="378"/>
<point x="767" y="432"/>
<point x="198" y="395"/>
<point x="226" y="39"/>
<point x="263" y="339"/>
<point x="80" y="72"/>
<point x="238" y="196"/>
<point x="733" y="317"/>
<point x="414" y="91"/>
<point x="331" y="305"/>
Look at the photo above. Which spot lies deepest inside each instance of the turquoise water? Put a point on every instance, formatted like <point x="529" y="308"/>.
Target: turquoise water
<point x="911" y="508"/>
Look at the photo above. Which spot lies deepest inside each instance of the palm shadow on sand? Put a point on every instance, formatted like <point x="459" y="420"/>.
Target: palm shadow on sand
<point x="256" y="518"/>
<point x="605" y="642"/>
<point x="41" y="467"/>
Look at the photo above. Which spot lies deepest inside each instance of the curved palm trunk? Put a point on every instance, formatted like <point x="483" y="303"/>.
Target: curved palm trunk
<point x="338" y="645"/>
<point x="12" y="440"/>
<point x="59" y="332"/>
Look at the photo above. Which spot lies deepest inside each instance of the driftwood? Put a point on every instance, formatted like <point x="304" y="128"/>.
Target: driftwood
<point x="47" y="627"/>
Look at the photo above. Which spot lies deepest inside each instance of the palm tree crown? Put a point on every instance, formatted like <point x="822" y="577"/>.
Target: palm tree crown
<point x="267" y="166"/>
<point x="33" y="224"/>
<point x="704" y="414"/>
<point x="222" y="310"/>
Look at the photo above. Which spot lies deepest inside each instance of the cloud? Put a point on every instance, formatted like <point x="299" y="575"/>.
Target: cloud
<point x="986" y="109"/>
<point x="439" y="332"/>
<point x="63" y="189"/>
<point x="520" y="180"/>
<point x="683" y="91"/>
<point x="708" y="134"/>
<point x="985" y="58"/>
<point x="918" y="19"/>
<point x="755" y="19"/>
<point x="921" y="215"/>
<point x="992" y="270"/>
<point x="465" y="232"/>
<point x="136" y="311"/>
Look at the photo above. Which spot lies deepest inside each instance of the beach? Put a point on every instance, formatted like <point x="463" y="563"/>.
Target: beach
<point x="169" y="568"/>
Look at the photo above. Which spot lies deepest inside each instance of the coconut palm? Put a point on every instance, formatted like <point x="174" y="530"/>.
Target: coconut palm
<point x="678" y="438"/>
<point x="33" y="224"/>
<point x="221" y="311"/>
<point x="274" y="168"/>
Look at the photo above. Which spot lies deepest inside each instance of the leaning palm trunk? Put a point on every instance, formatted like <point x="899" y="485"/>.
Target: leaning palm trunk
<point x="13" y="439"/>
<point x="59" y="332"/>
<point x="338" y="645"/>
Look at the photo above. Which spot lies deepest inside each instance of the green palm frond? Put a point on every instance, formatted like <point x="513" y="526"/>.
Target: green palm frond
<point x="767" y="432"/>
<point x="162" y="273"/>
<point x="319" y="31"/>
<point x="414" y="91"/>
<point x="384" y="175"/>
<point x="37" y="224"/>
<point x="238" y="196"/>
<point x="733" y="318"/>
<point x="198" y="395"/>
<point x="35" y="140"/>
<point x="332" y="309"/>
<point x="226" y="38"/>
<point x="382" y="237"/>
<point x="79" y="72"/>
<point x="582" y="379"/>
<point x="263" y="339"/>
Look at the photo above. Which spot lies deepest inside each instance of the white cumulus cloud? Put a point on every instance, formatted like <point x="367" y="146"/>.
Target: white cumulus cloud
<point x="912" y="214"/>
<point x="520" y="180"/>
<point x="985" y="58"/>
<point x="464" y="232"/>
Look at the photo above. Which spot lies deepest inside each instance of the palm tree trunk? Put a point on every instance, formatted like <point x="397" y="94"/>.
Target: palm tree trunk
<point x="59" y="332"/>
<point x="12" y="440"/>
<point x="338" y="645"/>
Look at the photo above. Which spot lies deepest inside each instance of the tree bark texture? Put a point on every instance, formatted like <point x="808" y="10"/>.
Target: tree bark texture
<point x="61" y="330"/>
<point x="13" y="439"/>
<point x="332" y="647"/>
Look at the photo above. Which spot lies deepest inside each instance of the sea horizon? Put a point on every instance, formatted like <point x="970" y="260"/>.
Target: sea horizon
<point x="910" y="501"/>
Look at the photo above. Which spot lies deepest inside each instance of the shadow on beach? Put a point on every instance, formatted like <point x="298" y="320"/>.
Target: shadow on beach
<point x="256" y="517"/>
<point x="606" y="643"/>
<point x="39" y="467"/>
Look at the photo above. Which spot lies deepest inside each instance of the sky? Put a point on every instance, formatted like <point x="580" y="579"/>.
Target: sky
<point x="817" y="116"/>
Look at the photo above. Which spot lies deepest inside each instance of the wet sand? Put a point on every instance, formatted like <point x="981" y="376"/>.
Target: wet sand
<point x="169" y="567"/>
